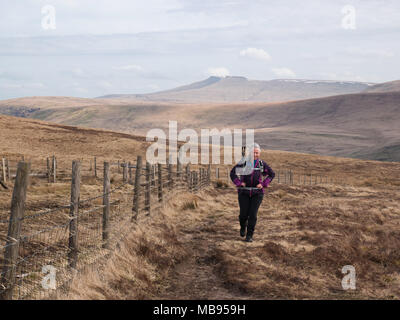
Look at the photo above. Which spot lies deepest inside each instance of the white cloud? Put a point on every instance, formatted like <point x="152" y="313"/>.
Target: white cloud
<point x="284" y="72"/>
<point x="105" y="84"/>
<point x="256" y="54"/>
<point x="218" y="72"/>
<point x="153" y="86"/>
<point x="36" y="85"/>
<point x="32" y="85"/>
<point x="10" y="86"/>
<point x="130" y="67"/>
<point x="132" y="44"/>
<point x="78" y="72"/>
<point x="81" y="90"/>
<point x="370" y="53"/>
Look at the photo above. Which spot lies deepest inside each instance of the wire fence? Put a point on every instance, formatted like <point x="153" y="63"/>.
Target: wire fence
<point x="67" y="238"/>
<point x="63" y="241"/>
<point x="289" y="177"/>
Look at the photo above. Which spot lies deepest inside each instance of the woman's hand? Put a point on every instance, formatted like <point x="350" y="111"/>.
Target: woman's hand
<point x="243" y="184"/>
<point x="259" y="186"/>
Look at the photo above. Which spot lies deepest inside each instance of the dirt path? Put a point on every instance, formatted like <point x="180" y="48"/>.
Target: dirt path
<point x="303" y="238"/>
<point x="197" y="277"/>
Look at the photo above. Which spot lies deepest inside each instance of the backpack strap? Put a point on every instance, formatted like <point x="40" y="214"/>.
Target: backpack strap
<point x="261" y="165"/>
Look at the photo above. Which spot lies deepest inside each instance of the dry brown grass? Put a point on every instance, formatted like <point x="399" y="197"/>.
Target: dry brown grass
<point x="304" y="235"/>
<point x="303" y="238"/>
<point x="139" y="267"/>
<point x="333" y="125"/>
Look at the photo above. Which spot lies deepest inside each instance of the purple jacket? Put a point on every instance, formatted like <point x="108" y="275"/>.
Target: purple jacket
<point x="253" y="179"/>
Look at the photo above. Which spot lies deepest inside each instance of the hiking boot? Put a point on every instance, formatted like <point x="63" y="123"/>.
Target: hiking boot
<point x="242" y="231"/>
<point x="249" y="239"/>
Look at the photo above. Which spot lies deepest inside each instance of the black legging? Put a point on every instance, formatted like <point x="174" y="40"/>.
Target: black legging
<point x="248" y="211"/>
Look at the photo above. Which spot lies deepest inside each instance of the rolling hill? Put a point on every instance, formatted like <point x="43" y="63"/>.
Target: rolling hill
<point x="362" y="125"/>
<point x="240" y="89"/>
<point x="305" y="233"/>
<point x="385" y="87"/>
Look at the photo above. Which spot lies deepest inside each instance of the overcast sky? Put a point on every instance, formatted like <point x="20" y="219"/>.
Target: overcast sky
<point x="88" y="48"/>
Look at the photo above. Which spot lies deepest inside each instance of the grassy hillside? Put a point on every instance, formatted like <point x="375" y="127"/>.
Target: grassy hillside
<point x="304" y="235"/>
<point x="385" y="87"/>
<point x="357" y="125"/>
<point x="303" y="238"/>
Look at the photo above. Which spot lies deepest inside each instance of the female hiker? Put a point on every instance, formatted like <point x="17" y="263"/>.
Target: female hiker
<point x="251" y="188"/>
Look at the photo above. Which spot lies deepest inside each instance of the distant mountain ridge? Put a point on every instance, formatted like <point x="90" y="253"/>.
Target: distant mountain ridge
<point x="360" y="125"/>
<point x="241" y="89"/>
<point x="392" y="86"/>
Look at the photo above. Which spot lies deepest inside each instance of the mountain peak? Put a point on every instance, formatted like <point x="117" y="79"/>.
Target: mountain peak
<point x="236" y="78"/>
<point x="239" y="88"/>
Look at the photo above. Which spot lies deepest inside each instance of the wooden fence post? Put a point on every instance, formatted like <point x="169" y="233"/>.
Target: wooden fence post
<point x="106" y="204"/>
<point x="178" y="168"/>
<point x="189" y="181"/>
<point x="48" y="170"/>
<point x="125" y="172"/>
<point x="170" y="178"/>
<point x="193" y="181"/>
<point x="217" y="173"/>
<point x="136" y="196"/>
<point x="129" y="172"/>
<point x="8" y="170"/>
<point x="74" y="211"/>
<point x="200" y="175"/>
<point x="54" y="169"/>
<point x="148" y="187"/>
<point x="95" y="167"/>
<point x="209" y="174"/>
<point x="4" y="170"/>
<point x="153" y="174"/>
<point x="188" y="173"/>
<point x="14" y="229"/>
<point x="160" y="183"/>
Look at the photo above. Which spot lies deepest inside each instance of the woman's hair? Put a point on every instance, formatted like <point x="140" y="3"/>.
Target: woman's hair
<point x="254" y="146"/>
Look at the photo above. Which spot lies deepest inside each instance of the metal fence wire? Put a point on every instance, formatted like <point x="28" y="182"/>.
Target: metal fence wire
<point x="64" y="240"/>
